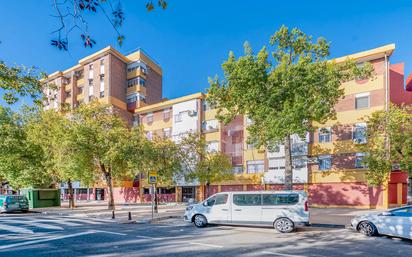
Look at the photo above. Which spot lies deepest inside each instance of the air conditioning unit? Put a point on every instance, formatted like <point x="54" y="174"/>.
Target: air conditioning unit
<point x="192" y="113"/>
<point x="359" y="140"/>
<point x="313" y="160"/>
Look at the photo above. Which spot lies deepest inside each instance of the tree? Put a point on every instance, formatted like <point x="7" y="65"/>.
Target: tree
<point x="20" y="81"/>
<point x="161" y="155"/>
<point x="285" y="94"/>
<point x="52" y="132"/>
<point x="203" y="166"/>
<point x="21" y="161"/>
<point x="72" y="15"/>
<point x="103" y="141"/>
<point x="389" y="142"/>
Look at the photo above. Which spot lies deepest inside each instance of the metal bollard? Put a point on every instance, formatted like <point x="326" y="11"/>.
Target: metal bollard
<point x="113" y="214"/>
<point x="130" y="216"/>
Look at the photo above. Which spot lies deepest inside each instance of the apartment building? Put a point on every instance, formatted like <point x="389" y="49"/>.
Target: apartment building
<point x="327" y="163"/>
<point x="127" y="82"/>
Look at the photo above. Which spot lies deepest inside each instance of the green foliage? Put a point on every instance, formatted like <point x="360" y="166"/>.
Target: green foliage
<point x="21" y="160"/>
<point x="202" y="166"/>
<point x="283" y="95"/>
<point x="389" y="137"/>
<point x="20" y="81"/>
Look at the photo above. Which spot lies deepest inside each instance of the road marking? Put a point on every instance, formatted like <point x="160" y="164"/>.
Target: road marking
<point x="46" y="240"/>
<point x="16" y="229"/>
<point x="282" y="254"/>
<point x="109" y="232"/>
<point x="208" y="245"/>
<point x="149" y="237"/>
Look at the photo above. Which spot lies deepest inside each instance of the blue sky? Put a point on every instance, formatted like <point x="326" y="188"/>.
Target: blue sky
<point x="191" y="39"/>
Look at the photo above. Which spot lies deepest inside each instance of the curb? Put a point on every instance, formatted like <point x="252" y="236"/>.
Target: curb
<point x="319" y="225"/>
<point x="152" y="221"/>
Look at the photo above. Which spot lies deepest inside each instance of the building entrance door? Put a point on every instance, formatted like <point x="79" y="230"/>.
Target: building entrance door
<point x="99" y="194"/>
<point x="188" y="194"/>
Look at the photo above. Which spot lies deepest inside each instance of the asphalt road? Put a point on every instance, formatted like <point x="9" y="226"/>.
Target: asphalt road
<point x="39" y="235"/>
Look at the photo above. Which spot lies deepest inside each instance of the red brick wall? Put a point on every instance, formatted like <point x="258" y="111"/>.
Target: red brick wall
<point x="153" y="86"/>
<point x="398" y="94"/>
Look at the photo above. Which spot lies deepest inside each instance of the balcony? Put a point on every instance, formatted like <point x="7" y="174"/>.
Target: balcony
<point x="80" y="97"/>
<point x="135" y="73"/>
<point x="80" y="81"/>
<point x="136" y="88"/>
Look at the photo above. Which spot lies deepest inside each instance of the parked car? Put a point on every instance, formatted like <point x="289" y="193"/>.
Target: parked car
<point x="11" y="203"/>
<point x="394" y="222"/>
<point x="283" y="210"/>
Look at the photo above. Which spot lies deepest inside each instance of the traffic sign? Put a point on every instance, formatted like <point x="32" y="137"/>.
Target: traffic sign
<point x="152" y="177"/>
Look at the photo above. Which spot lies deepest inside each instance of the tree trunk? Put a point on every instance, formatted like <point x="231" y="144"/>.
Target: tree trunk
<point x="70" y="192"/>
<point x="207" y="190"/>
<point x="109" y="183"/>
<point x="288" y="164"/>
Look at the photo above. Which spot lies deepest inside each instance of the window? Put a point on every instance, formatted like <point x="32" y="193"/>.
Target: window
<point x="80" y="90"/>
<point x="237" y="169"/>
<point x="91" y="71"/>
<point x="178" y="117"/>
<point x="362" y="101"/>
<point x="221" y="199"/>
<point x="208" y="125"/>
<point x="280" y="199"/>
<point x="149" y="135"/>
<point x="136" y="81"/>
<point x="101" y="87"/>
<point x="166" y="114"/>
<point x="325" y="162"/>
<point x="250" y="146"/>
<point x="68" y="94"/>
<point x="255" y="166"/>
<point x="167" y="132"/>
<point x="359" y="161"/>
<point x="277" y="163"/>
<point x="404" y="212"/>
<point x="101" y="66"/>
<point x="247" y="199"/>
<point x="149" y="117"/>
<point x="136" y="121"/>
<point x="248" y="121"/>
<point x="131" y="99"/>
<point x="325" y="135"/>
<point x="213" y="146"/>
<point x="359" y="133"/>
<point x="90" y="90"/>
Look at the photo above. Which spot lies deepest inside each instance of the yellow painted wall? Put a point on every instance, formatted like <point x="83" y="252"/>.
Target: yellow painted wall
<point x="209" y="114"/>
<point x="135" y="73"/>
<point x="350" y="117"/>
<point x="214" y="136"/>
<point x="352" y="87"/>
<point x="136" y="88"/>
<point x="334" y="147"/>
<point x="338" y="176"/>
<point x="156" y="125"/>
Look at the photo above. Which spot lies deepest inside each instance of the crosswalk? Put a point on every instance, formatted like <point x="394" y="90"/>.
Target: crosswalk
<point x="23" y="230"/>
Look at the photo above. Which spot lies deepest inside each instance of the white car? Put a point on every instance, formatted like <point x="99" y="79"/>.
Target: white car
<point x="283" y="210"/>
<point x="395" y="222"/>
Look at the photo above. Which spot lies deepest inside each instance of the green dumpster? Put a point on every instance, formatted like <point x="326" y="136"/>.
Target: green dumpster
<point x="39" y="198"/>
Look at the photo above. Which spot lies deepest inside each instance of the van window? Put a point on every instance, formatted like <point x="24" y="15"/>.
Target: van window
<point x="221" y="199"/>
<point x="280" y="199"/>
<point x="247" y="199"/>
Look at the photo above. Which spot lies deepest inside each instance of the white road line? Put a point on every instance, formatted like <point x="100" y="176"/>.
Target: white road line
<point x="282" y="254"/>
<point x="109" y="232"/>
<point x="16" y="229"/>
<point x="45" y="240"/>
<point x="152" y="238"/>
<point x="208" y="245"/>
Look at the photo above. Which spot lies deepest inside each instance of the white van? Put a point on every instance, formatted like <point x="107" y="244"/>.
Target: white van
<point x="283" y="210"/>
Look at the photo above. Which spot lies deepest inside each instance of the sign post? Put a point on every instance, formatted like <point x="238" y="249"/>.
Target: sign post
<point x="152" y="180"/>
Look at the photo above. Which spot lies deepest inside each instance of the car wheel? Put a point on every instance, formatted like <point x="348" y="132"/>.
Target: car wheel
<point x="367" y="228"/>
<point x="200" y="221"/>
<point x="284" y="225"/>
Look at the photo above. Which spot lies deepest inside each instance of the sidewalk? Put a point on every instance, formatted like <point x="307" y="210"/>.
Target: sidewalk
<point x="139" y="212"/>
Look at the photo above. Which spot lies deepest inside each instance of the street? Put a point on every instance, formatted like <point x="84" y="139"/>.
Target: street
<point x="53" y="235"/>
